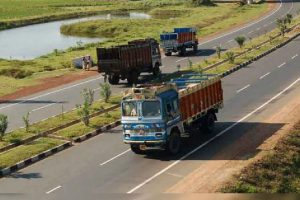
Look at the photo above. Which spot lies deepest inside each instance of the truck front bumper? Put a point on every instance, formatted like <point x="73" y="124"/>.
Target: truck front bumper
<point x="144" y="142"/>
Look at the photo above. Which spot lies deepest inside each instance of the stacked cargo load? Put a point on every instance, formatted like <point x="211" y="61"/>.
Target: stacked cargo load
<point x="157" y="116"/>
<point x="128" y="61"/>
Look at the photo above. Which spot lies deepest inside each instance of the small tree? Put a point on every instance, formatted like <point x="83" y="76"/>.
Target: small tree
<point x="288" y="18"/>
<point x="230" y="56"/>
<point x="240" y="40"/>
<point x="281" y="25"/>
<point x="200" y="69"/>
<point x="88" y="95"/>
<point x="84" y="112"/>
<point x="218" y="50"/>
<point x="3" y="125"/>
<point x="190" y="63"/>
<point x="26" y="121"/>
<point x="105" y="91"/>
<point x="178" y="67"/>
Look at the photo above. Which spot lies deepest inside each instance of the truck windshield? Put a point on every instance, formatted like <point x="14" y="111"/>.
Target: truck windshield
<point x="151" y="109"/>
<point x="129" y="108"/>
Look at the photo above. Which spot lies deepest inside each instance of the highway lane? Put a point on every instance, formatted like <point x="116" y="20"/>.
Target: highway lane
<point x="104" y="164"/>
<point x="49" y="103"/>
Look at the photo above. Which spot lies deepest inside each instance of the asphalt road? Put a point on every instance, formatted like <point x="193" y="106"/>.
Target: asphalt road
<point x="104" y="165"/>
<point x="48" y="103"/>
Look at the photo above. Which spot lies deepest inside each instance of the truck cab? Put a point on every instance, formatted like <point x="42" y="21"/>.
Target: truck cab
<point x="149" y="117"/>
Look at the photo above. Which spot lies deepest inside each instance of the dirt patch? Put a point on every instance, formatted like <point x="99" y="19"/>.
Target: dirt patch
<point x="48" y="83"/>
<point x="214" y="173"/>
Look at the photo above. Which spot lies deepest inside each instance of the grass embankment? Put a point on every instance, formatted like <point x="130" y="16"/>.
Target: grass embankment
<point x="42" y="126"/>
<point x="17" y="74"/>
<point x="277" y="172"/>
<point x="26" y="151"/>
<point x="208" y="19"/>
<point x="95" y="123"/>
<point x="15" y="13"/>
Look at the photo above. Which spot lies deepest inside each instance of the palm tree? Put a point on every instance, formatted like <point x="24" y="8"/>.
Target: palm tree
<point x="240" y="40"/>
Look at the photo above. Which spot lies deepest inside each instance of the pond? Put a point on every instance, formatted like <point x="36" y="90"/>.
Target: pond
<point x="32" y="41"/>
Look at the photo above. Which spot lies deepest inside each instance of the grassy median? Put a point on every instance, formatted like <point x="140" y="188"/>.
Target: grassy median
<point x="277" y="172"/>
<point x="19" y="134"/>
<point x="23" y="152"/>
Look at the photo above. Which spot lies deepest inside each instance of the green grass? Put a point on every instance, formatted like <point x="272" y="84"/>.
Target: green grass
<point x="17" y="135"/>
<point x="26" y="151"/>
<point x="122" y="30"/>
<point x="208" y="20"/>
<point x="277" y="172"/>
<point x="96" y="122"/>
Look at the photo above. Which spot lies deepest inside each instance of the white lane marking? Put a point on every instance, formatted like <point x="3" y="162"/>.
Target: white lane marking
<point x="281" y="65"/>
<point x="265" y="25"/>
<point x="270" y="23"/>
<point x="181" y="59"/>
<point x="46" y="94"/>
<point x="238" y="91"/>
<point x="162" y="66"/>
<point x="258" y="29"/>
<point x="48" y="105"/>
<point x="115" y="157"/>
<point x="176" y="175"/>
<point x="250" y="32"/>
<point x="229" y="41"/>
<point x="242" y="28"/>
<point x="263" y="76"/>
<point x="53" y="189"/>
<point x="294" y="56"/>
<point x="213" y="138"/>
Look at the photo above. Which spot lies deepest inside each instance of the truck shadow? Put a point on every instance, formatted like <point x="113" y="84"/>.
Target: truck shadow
<point x="243" y="141"/>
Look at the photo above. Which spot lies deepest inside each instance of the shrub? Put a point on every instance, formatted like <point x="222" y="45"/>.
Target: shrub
<point x="84" y="112"/>
<point x="218" y="50"/>
<point x="48" y="68"/>
<point x="240" y="40"/>
<point x="105" y="91"/>
<point x="230" y="56"/>
<point x="16" y="73"/>
<point x="88" y="95"/>
<point x="26" y="121"/>
<point x="3" y="125"/>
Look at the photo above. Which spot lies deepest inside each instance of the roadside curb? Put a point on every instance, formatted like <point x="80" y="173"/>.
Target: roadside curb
<point x="97" y="131"/>
<point x="33" y="159"/>
<point x="48" y="132"/>
<point x="244" y="64"/>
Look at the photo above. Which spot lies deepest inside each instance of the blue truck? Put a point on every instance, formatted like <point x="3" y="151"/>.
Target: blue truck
<point x="179" y="40"/>
<point x="157" y="116"/>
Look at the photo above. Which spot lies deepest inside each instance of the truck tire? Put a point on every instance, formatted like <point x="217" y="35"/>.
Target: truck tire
<point x="182" y="51"/>
<point x="136" y="149"/>
<point x="195" y="48"/>
<point x="156" y="70"/>
<point x="133" y="77"/>
<point x="209" y="122"/>
<point x="114" y="79"/>
<point x="168" y="53"/>
<point x="174" y="143"/>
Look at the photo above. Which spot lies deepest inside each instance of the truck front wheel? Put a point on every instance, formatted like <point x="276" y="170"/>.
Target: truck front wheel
<point x="174" y="143"/>
<point x="133" y="77"/>
<point x="156" y="70"/>
<point x="195" y="48"/>
<point x="168" y="53"/>
<point x="114" y="79"/>
<point x="136" y="149"/>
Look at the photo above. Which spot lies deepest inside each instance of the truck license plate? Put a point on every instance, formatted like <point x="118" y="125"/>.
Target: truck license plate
<point x="142" y="147"/>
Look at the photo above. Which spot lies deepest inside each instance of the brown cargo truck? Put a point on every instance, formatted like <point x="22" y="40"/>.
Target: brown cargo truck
<point x="129" y="61"/>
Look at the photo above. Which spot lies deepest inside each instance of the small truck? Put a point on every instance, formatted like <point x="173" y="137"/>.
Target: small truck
<point x="179" y="41"/>
<point x="129" y="61"/>
<point x="158" y="116"/>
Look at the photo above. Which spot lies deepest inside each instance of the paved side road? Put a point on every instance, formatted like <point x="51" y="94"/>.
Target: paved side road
<point x="46" y="104"/>
<point x="104" y="164"/>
